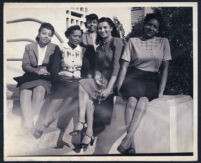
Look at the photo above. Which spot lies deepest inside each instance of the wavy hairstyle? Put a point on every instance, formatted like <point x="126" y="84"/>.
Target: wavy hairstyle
<point x="156" y="16"/>
<point x="47" y="26"/>
<point x="114" y="32"/>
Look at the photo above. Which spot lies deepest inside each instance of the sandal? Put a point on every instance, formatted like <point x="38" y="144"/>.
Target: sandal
<point x="91" y="142"/>
<point x="76" y="131"/>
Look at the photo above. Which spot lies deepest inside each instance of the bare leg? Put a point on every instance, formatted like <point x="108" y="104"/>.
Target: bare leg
<point x="49" y="118"/>
<point x="37" y="100"/>
<point x="130" y="109"/>
<point x="136" y="119"/>
<point x="26" y="106"/>
<point x="83" y="102"/>
<point x="52" y="113"/>
<point x="89" y="131"/>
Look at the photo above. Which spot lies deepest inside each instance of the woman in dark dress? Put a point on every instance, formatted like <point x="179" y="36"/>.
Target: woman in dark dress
<point x="35" y="83"/>
<point x="100" y="88"/>
<point x="138" y="80"/>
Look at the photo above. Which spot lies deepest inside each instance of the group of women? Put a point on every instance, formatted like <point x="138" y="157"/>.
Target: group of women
<point x="93" y="67"/>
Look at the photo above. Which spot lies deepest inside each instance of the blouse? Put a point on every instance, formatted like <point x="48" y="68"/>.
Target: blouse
<point x="71" y="61"/>
<point x="108" y="56"/>
<point x="41" y="54"/>
<point x="147" y="55"/>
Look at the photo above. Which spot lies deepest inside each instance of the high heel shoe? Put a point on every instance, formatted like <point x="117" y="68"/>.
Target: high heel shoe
<point x="76" y="132"/>
<point x="91" y="142"/>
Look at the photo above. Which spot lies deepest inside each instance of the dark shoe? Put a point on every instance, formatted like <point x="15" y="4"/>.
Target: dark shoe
<point x="84" y="145"/>
<point x="37" y="133"/>
<point x="61" y="144"/>
<point x="76" y="132"/>
<point x="131" y="151"/>
<point x="121" y="149"/>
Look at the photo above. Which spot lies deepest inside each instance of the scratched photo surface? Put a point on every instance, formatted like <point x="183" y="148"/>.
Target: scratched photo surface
<point x="43" y="121"/>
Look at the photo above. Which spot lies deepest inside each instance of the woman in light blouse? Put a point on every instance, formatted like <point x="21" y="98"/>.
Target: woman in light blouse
<point x="138" y="80"/>
<point x="35" y="82"/>
<point x="65" y="72"/>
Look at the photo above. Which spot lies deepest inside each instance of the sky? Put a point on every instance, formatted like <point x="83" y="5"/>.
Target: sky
<point x="55" y="14"/>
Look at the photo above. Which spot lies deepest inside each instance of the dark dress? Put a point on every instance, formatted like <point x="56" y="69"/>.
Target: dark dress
<point x="107" y="62"/>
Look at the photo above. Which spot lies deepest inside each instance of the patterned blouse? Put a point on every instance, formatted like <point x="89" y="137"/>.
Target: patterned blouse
<point x="71" y="61"/>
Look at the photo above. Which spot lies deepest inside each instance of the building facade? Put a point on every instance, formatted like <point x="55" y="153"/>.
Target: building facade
<point x="76" y="16"/>
<point x="138" y="13"/>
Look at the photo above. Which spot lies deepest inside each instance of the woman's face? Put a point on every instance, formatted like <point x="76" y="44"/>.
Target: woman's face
<point x="75" y="37"/>
<point x="151" y="28"/>
<point x="104" y="29"/>
<point x="92" y="25"/>
<point x="45" y="36"/>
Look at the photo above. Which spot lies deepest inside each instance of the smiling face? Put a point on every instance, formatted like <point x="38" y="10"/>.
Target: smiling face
<point x="151" y="28"/>
<point x="104" y="29"/>
<point x="45" y="36"/>
<point x="75" y="37"/>
<point x="92" y="25"/>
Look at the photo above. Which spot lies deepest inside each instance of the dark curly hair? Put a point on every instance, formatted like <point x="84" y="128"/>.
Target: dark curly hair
<point x="47" y="26"/>
<point x="114" y="32"/>
<point x="90" y="17"/>
<point x="71" y="29"/>
<point x="156" y="16"/>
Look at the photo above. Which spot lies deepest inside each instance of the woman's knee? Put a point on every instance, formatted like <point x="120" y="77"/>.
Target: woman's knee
<point x="131" y="102"/>
<point x="39" y="91"/>
<point x="25" y="93"/>
<point x="142" y="101"/>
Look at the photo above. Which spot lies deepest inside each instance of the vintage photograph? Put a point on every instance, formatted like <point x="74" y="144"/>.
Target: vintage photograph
<point x="100" y="81"/>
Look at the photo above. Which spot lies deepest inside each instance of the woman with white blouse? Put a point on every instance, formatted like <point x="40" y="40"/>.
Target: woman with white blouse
<point x="65" y="72"/>
<point x="138" y="80"/>
<point x="35" y="83"/>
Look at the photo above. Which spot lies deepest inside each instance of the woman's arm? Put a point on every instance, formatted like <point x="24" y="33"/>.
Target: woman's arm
<point x="26" y="63"/>
<point x="55" y="63"/>
<point x="163" y="78"/>
<point x="122" y="73"/>
<point x="118" y="49"/>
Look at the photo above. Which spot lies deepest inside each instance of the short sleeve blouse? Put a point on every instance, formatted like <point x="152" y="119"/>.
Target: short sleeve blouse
<point x="108" y="56"/>
<point x="147" y="55"/>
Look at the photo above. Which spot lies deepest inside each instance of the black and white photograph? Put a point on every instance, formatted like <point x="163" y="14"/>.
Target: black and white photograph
<point x="100" y="81"/>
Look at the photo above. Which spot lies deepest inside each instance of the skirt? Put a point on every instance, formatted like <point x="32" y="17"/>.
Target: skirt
<point x="103" y="110"/>
<point x="31" y="80"/>
<point x="65" y="87"/>
<point x="139" y="83"/>
<point x="91" y="88"/>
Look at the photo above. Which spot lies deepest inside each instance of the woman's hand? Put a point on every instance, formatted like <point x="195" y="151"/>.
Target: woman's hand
<point x="43" y="71"/>
<point x="105" y="93"/>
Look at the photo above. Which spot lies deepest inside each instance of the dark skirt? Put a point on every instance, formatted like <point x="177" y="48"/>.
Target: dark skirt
<point x="139" y="83"/>
<point x="65" y="87"/>
<point x="31" y="80"/>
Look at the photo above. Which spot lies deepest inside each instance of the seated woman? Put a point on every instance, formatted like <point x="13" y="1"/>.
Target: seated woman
<point x="138" y="80"/>
<point x="99" y="88"/>
<point x="65" y="71"/>
<point x="35" y="83"/>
